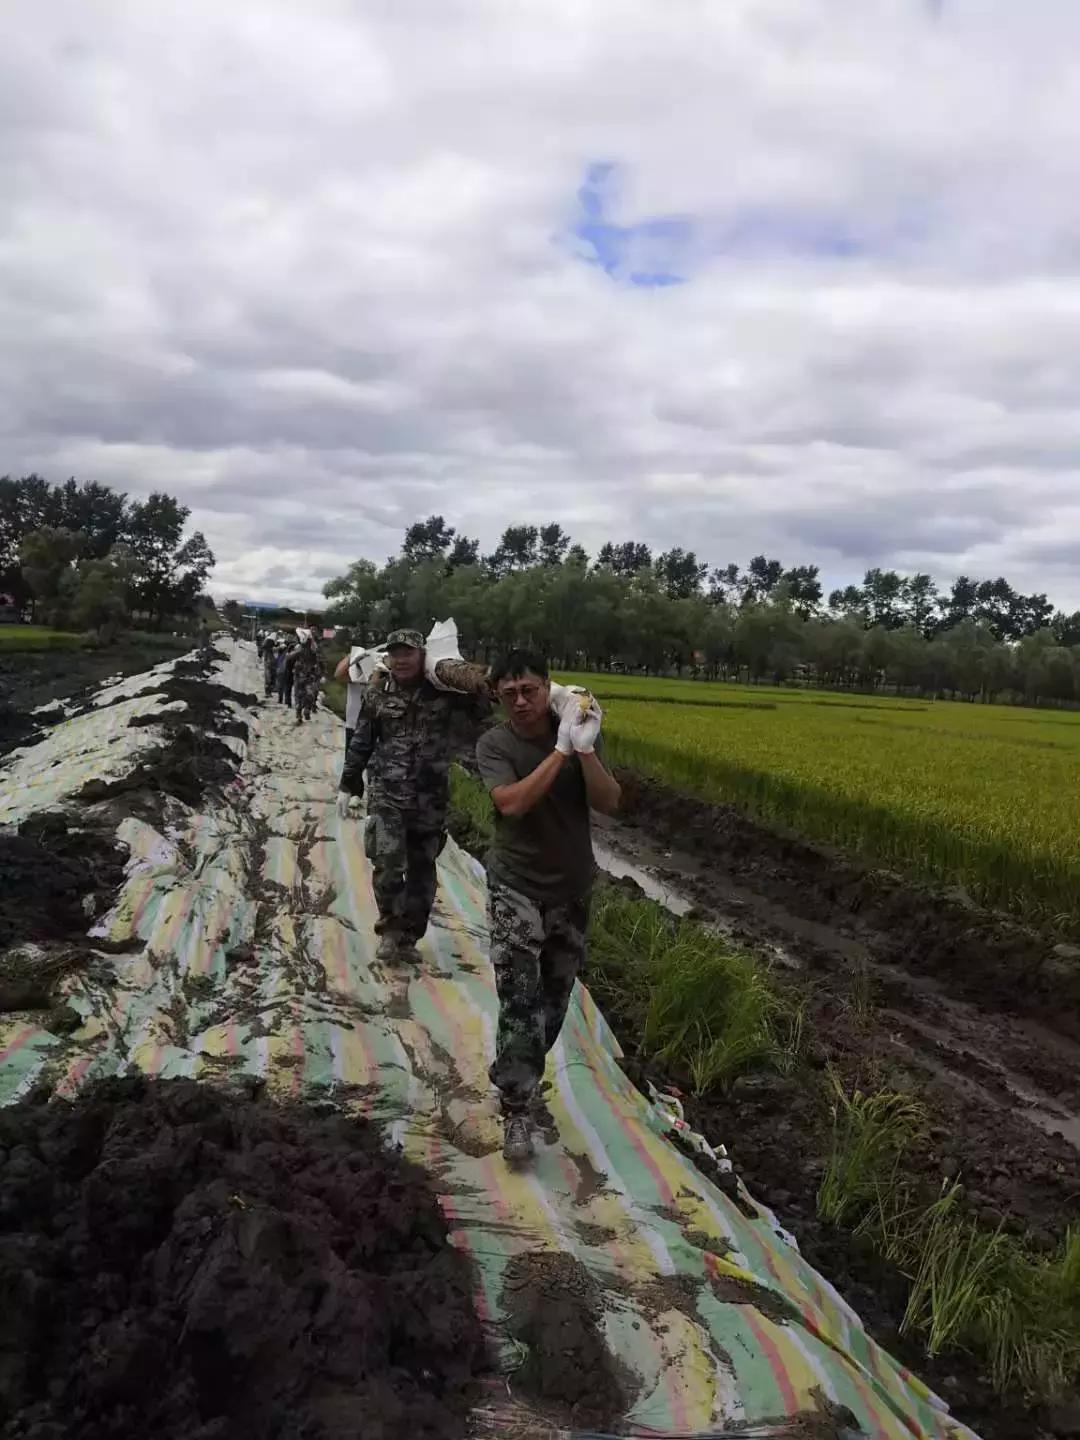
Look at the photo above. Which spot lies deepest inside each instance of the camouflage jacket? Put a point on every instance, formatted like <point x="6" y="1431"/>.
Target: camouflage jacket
<point x="405" y="735"/>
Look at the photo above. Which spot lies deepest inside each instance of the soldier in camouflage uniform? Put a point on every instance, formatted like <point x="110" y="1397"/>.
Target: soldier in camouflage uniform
<point x="307" y="672"/>
<point x="544" y="777"/>
<point x="403" y="732"/>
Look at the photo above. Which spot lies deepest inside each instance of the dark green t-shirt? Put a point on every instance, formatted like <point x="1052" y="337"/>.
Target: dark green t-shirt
<point x="546" y="854"/>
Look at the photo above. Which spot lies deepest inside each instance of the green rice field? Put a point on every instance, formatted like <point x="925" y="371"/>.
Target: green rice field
<point x="985" y="796"/>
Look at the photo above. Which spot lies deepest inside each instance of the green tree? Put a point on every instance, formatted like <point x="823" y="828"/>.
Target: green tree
<point x="516" y="550"/>
<point x="233" y="614"/>
<point x="170" y="570"/>
<point x="626" y="558"/>
<point x="463" y="552"/>
<point x="46" y="557"/>
<point x="920" y="600"/>
<point x="680" y="573"/>
<point x="427" y="539"/>
<point x="354" y="596"/>
<point x="98" y="589"/>
<point x="553" y="544"/>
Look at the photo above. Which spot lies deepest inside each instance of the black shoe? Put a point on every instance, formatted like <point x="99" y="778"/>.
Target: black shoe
<point x="387" y="949"/>
<point x="517" y="1140"/>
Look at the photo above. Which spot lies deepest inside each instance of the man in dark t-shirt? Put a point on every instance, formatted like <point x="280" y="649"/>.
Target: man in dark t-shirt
<point x="544" y="776"/>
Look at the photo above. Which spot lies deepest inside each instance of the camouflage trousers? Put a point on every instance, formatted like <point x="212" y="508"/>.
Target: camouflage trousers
<point x="537" y="951"/>
<point x="306" y="688"/>
<point x="268" y="674"/>
<point x="402" y="854"/>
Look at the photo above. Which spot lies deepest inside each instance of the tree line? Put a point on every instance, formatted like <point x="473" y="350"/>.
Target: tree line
<point x="88" y="556"/>
<point x="670" y="612"/>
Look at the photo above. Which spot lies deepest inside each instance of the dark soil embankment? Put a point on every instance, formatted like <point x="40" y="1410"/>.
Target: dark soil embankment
<point x="32" y="678"/>
<point x="974" y="953"/>
<point x="186" y="1263"/>
<point x="56" y="877"/>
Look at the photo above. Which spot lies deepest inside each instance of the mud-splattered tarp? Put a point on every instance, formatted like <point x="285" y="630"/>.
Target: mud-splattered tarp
<point x="256" y="954"/>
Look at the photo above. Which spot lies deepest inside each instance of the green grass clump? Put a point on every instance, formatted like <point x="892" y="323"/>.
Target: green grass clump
<point x="15" y="638"/>
<point x="471" y="814"/>
<point x="702" y="1008"/>
<point x="972" y="1288"/>
<point x="870" y="1135"/>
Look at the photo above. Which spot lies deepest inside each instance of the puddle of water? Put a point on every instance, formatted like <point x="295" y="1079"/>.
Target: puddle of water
<point x="679" y="904"/>
<point x="1067" y="1126"/>
<point x="621" y="868"/>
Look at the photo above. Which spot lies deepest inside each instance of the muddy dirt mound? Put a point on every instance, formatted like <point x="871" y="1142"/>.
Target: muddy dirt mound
<point x="33" y="678"/>
<point x="974" y="953"/>
<point x="56" y="878"/>
<point x="181" y="1262"/>
<point x="187" y="767"/>
<point x="554" y="1310"/>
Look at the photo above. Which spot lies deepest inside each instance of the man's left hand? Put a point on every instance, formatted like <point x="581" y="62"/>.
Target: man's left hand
<point x="584" y="732"/>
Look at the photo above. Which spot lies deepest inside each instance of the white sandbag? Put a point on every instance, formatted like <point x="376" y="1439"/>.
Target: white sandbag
<point x="564" y="697"/>
<point x="441" y="644"/>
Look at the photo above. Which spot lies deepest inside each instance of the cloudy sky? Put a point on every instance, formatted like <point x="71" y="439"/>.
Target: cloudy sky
<point x="798" y="276"/>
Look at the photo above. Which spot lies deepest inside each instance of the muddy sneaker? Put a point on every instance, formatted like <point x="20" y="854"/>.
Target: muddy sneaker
<point x="387" y="949"/>
<point x="407" y="952"/>
<point x="517" y="1140"/>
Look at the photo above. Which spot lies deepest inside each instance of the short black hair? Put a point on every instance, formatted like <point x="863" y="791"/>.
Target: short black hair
<point x="514" y="664"/>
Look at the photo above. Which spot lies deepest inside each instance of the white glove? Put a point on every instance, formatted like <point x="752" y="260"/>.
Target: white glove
<point x="566" y="699"/>
<point x="564" y="743"/>
<point x="584" y="731"/>
<point x="343" y="798"/>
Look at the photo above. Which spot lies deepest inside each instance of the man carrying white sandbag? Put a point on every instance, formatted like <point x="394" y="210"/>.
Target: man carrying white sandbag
<point x="356" y="669"/>
<point x="545" y="771"/>
<point x="404" y="733"/>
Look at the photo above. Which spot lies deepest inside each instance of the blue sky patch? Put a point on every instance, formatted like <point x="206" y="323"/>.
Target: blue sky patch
<point x="649" y="253"/>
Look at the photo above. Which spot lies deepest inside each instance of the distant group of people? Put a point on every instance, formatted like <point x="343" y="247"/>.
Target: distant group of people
<point x="292" y="669"/>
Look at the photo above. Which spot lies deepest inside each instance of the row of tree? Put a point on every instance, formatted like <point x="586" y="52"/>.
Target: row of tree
<point x="630" y="610"/>
<point x="87" y="555"/>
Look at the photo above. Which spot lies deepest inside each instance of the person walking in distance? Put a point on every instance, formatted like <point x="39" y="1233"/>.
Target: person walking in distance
<point x="269" y="659"/>
<point x="544" y="776"/>
<point x="307" y="672"/>
<point x="403" y="735"/>
<point x="284" y="676"/>
<point x="350" y="669"/>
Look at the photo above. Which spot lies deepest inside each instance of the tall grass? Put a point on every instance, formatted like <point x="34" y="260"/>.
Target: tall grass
<point x="702" y="1008"/>
<point x="471" y="816"/>
<point x="870" y="1135"/>
<point x="972" y="1288"/>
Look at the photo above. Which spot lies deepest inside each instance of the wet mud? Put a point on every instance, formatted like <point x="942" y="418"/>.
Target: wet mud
<point x="1000" y="1080"/>
<point x="554" y="1311"/>
<point x="974" y="954"/>
<point x="56" y="877"/>
<point x="192" y="1263"/>
<point x="37" y="678"/>
<point x="191" y="767"/>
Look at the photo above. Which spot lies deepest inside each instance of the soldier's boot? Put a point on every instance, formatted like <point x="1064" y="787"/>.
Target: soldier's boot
<point x="407" y="951"/>
<point x="517" y="1140"/>
<point x="387" y="948"/>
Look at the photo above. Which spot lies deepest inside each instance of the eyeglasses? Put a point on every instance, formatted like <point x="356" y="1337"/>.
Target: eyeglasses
<point x="526" y="692"/>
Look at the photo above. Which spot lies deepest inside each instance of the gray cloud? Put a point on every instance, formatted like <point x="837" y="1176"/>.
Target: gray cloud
<point x="315" y="271"/>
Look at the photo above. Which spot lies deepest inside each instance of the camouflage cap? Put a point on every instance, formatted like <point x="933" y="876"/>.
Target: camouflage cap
<point x="411" y="638"/>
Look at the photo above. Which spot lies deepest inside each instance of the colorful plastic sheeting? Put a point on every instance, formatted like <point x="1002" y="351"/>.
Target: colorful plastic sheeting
<point x="258" y="956"/>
